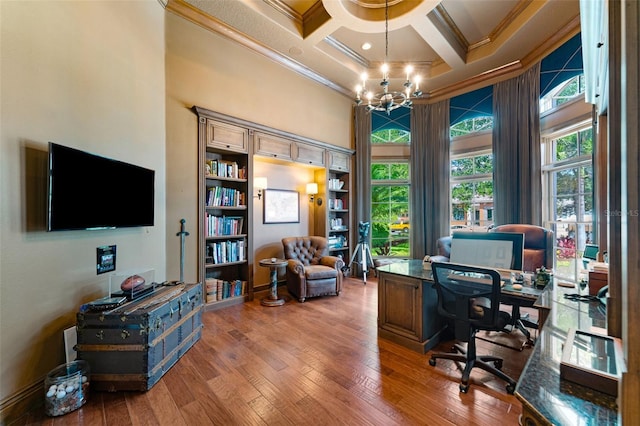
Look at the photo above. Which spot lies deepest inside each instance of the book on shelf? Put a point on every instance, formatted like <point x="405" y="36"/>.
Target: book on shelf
<point x="225" y="168"/>
<point x="223" y="225"/>
<point x="224" y="289"/>
<point x="227" y="251"/>
<point x="220" y="196"/>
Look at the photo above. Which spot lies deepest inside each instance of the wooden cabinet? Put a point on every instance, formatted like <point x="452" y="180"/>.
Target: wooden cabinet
<point x="273" y="146"/>
<point x="309" y="154"/>
<point x="226" y="136"/>
<point x="285" y="149"/>
<point x="339" y="161"/>
<point x="407" y="311"/>
<point x="224" y="243"/>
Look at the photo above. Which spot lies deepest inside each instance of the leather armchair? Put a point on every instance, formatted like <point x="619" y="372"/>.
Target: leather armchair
<point x="311" y="271"/>
<point x="538" y="245"/>
<point x="444" y="249"/>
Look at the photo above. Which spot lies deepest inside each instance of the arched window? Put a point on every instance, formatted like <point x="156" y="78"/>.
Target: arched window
<point x="562" y="93"/>
<point x="392" y="136"/>
<point x="471" y="125"/>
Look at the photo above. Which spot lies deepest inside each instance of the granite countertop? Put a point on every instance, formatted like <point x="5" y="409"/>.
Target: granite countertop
<point x="540" y="387"/>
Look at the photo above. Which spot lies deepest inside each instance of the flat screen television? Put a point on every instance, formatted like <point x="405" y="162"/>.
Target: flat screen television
<point x="87" y="191"/>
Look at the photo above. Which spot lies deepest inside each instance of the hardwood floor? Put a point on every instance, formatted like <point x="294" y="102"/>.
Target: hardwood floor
<point x="313" y="363"/>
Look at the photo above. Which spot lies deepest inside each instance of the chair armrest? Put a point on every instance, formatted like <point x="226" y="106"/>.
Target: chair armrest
<point x="296" y="267"/>
<point x="332" y="261"/>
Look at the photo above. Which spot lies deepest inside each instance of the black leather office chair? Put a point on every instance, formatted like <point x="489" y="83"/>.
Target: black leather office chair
<point x="470" y="298"/>
<point x="538" y="252"/>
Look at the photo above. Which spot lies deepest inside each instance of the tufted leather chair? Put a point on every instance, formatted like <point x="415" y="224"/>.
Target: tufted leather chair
<point x="538" y="245"/>
<point x="310" y="270"/>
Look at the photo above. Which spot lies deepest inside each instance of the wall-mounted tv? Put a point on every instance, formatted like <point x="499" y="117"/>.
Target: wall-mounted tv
<point x="87" y="191"/>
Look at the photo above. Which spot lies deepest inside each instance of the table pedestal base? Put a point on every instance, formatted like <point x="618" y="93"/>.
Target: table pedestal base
<point x="268" y="302"/>
<point x="273" y="299"/>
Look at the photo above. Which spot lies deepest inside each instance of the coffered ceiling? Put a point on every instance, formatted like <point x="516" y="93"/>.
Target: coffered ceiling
<point x="455" y="45"/>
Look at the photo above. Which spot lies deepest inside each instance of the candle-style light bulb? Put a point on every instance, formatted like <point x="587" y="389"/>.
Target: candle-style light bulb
<point x="408" y="69"/>
<point x="385" y="70"/>
<point x="416" y="81"/>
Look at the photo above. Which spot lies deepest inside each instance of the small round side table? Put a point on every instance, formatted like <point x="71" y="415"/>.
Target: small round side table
<point x="273" y="264"/>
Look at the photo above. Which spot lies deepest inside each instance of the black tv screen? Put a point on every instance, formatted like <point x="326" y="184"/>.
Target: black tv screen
<point x="87" y="191"/>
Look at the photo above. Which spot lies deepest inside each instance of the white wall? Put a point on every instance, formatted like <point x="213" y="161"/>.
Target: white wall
<point x="89" y="75"/>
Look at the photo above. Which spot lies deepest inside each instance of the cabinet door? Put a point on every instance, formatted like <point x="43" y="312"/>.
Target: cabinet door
<point x="400" y="306"/>
<point x="272" y="146"/>
<point x="339" y="161"/>
<point x="227" y="136"/>
<point x="308" y="154"/>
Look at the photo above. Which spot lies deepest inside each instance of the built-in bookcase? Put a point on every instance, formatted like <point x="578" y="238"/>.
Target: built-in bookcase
<point x="223" y="205"/>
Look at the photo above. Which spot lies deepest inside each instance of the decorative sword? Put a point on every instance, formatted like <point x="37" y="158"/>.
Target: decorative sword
<point x="182" y="234"/>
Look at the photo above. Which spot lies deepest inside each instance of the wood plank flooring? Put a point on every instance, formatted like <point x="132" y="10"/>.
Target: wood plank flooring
<point x="314" y="363"/>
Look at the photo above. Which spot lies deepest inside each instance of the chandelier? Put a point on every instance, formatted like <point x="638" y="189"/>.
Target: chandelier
<point x="388" y="100"/>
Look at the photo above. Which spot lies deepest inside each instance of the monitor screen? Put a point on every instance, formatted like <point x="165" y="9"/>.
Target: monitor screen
<point x="500" y="250"/>
<point x="87" y="191"/>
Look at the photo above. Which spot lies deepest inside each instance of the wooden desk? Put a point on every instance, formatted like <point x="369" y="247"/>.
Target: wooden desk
<point x="408" y="304"/>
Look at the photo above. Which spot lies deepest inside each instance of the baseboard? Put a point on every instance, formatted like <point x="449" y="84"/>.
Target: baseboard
<point x="18" y="404"/>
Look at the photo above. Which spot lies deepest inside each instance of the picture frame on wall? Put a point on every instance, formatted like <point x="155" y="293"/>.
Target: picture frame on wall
<point x="281" y="206"/>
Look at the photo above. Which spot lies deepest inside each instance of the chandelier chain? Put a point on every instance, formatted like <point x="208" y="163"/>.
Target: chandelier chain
<point x="386" y="31"/>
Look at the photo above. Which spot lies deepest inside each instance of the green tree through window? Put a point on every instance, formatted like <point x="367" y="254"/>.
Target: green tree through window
<point x="390" y="224"/>
<point x="472" y="192"/>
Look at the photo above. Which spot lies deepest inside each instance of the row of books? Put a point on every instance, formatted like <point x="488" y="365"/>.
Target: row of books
<point x="225" y="168"/>
<point x="222" y="225"/>
<point x="228" y="197"/>
<point x="226" y="251"/>
<point x="222" y="289"/>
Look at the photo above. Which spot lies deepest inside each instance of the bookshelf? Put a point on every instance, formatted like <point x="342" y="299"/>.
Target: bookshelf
<point x="224" y="244"/>
<point x="334" y="219"/>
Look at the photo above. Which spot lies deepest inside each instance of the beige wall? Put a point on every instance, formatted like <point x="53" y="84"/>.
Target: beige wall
<point x="267" y="236"/>
<point x="88" y="75"/>
<point x="207" y="70"/>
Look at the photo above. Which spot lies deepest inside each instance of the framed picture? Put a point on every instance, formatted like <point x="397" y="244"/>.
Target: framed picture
<point x="281" y="206"/>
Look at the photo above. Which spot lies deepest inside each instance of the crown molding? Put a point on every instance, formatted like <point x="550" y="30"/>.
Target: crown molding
<point x="192" y="14"/>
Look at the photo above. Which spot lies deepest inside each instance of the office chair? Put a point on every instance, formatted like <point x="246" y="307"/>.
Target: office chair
<point x="470" y="298"/>
<point x="538" y="252"/>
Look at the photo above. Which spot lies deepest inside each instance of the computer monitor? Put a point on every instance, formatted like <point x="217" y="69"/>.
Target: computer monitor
<point x="590" y="253"/>
<point x="497" y="250"/>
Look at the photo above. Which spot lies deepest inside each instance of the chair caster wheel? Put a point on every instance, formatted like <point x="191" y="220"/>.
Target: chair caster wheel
<point x="464" y="388"/>
<point x="432" y="362"/>
<point x="498" y="364"/>
<point x="510" y="389"/>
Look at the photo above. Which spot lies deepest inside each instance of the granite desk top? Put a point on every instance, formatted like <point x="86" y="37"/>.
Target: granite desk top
<point x="540" y="387"/>
<point x="413" y="268"/>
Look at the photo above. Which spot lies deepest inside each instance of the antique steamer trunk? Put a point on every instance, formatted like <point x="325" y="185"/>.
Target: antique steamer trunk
<point x="132" y="346"/>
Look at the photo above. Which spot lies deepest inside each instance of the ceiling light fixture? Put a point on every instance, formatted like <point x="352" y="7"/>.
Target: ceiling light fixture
<point x="388" y="100"/>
